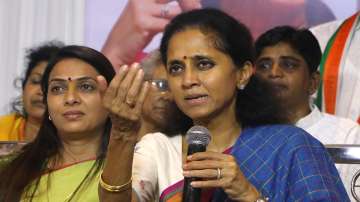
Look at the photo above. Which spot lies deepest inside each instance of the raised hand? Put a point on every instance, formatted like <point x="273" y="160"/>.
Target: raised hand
<point x="187" y="5"/>
<point x="136" y="26"/>
<point x="139" y="22"/>
<point x="124" y="98"/>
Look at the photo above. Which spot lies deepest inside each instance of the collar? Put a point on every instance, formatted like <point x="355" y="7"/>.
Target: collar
<point x="312" y="118"/>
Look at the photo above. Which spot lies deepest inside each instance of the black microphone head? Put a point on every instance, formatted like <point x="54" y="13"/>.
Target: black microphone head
<point x="198" y="135"/>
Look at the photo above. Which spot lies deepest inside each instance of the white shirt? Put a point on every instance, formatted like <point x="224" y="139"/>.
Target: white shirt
<point x="330" y="129"/>
<point x="348" y="104"/>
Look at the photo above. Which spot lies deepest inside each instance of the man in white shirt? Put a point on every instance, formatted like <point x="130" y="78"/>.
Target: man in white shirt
<point x="347" y="91"/>
<point x="287" y="59"/>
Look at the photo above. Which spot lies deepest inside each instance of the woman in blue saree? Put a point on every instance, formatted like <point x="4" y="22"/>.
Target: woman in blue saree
<point x="208" y="57"/>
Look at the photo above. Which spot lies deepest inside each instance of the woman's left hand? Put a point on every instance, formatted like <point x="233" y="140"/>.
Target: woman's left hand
<point x="219" y="171"/>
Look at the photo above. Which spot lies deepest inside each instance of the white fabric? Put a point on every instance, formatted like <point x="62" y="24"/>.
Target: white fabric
<point x="324" y="31"/>
<point x="330" y="129"/>
<point x="162" y="158"/>
<point x="348" y="104"/>
<point x="27" y="23"/>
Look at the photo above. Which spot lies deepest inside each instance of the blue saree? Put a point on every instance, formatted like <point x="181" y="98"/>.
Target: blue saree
<point x="286" y="164"/>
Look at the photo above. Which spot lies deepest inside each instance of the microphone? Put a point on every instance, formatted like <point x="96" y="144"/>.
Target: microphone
<point x="197" y="137"/>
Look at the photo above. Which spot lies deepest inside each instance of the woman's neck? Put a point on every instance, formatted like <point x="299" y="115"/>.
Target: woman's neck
<point x="31" y="129"/>
<point x="224" y="130"/>
<point x="77" y="150"/>
<point x="223" y="135"/>
<point x="295" y="113"/>
<point x="146" y="128"/>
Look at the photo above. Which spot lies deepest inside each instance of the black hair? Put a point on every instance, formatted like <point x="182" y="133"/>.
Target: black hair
<point x="254" y="105"/>
<point x="35" y="55"/>
<point x="39" y="54"/>
<point x="257" y="105"/>
<point x="231" y="36"/>
<point x="301" y="40"/>
<point x="32" y="161"/>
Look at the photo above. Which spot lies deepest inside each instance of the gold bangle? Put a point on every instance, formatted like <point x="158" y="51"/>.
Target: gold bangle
<point x="111" y="188"/>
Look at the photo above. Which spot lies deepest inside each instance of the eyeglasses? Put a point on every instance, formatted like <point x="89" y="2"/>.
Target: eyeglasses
<point x="160" y="84"/>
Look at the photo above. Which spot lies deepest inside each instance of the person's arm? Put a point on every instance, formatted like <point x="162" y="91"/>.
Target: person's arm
<point x="118" y="167"/>
<point x="139" y="22"/>
<point x="124" y="99"/>
<point x="135" y="28"/>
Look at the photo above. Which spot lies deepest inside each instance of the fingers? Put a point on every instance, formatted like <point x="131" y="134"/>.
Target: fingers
<point x="156" y="24"/>
<point x="205" y="173"/>
<point x="126" y="83"/>
<point x="187" y="5"/>
<point x="135" y="87"/>
<point x="210" y="155"/>
<point x="141" y="98"/>
<point x="217" y="170"/>
<point x="217" y="177"/>
<point x="166" y="10"/>
<point x="160" y="16"/>
<point x="125" y="90"/>
<point x="102" y="84"/>
<point x="214" y="169"/>
<point x="204" y="164"/>
<point x="210" y="169"/>
<point x="208" y="183"/>
<point x="111" y="91"/>
<point x="124" y="98"/>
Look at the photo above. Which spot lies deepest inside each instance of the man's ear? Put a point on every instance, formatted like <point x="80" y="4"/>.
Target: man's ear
<point x="314" y="82"/>
<point x="244" y="74"/>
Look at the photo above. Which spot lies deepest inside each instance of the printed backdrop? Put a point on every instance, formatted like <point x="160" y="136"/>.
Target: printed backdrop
<point x="89" y="22"/>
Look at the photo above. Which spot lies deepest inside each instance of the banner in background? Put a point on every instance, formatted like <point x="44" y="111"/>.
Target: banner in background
<point x="100" y="18"/>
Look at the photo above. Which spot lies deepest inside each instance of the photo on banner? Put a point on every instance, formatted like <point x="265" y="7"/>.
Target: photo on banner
<point x="91" y="22"/>
<point x="258" y="15"/>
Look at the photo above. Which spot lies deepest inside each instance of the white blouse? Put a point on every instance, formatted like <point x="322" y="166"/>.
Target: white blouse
<point x="157" y="165"/>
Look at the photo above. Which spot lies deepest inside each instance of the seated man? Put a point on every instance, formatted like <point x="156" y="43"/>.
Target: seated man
<point x="287" y="59"/>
